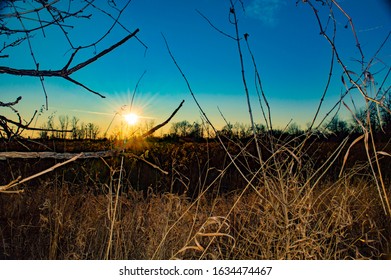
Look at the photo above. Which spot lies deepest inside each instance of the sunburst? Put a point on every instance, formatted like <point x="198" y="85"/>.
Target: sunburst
<point x="131" y="118"/>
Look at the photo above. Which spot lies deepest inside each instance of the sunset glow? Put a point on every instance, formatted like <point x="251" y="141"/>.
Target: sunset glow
<point x="131" y="118"/>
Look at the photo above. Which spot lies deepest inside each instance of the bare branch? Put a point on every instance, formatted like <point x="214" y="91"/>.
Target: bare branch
<point x="217" y="29"/>
<point x="9" y="104"/>
<point x="18" y="181"/>
<point x="258" y="82"/>
<point x="151" y="131"/>
<point x="352" y="27"/>
<point x="329" y="76"/>
<point x="135" y="89"/>
<point x="27" y="17"/>
<point x="65" y="72"/>
<point x="115" y="21"/>
<point x="35" y="10"/>
<point x="83" y="86"/>
<point x="27" y="127"/>
<point x="188" y="85"/>
<point x="106" y="51"/>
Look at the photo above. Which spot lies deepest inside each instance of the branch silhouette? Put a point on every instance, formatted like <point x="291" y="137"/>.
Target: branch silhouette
<point x="151" y="131"/>
<point x="65" y="72"/>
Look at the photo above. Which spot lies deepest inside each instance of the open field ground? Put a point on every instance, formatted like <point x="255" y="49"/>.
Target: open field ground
<point x="310" y="179"/>
<point x="189" y="200"/>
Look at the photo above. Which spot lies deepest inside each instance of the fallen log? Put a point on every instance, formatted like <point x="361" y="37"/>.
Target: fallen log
<point x="54" y="155"/>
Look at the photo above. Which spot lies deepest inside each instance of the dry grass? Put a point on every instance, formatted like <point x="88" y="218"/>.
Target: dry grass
<point x="286" y="215"/>
<point x="263" y="199"/>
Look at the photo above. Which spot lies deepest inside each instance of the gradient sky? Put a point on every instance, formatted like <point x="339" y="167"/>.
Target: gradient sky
<point x="293" y="60"/>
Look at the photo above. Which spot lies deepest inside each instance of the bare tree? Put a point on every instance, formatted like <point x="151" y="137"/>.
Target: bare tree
<point x="74" y="126"/>
<point x="23" y="23"/>
<point x="82" y="131"/>
<point x="92" y="131"/>
<point x="64" y="122"/>
<point x="197" y="131"/>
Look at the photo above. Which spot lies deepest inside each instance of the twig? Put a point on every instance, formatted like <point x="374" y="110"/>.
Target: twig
<point x="13" y="15"/>
<point x="9" y="104"/>
<point x="353" y="29"/>
<point x="151" y="131"/>
<point x="235" y="23"/>
<point x="135" y="89"/>
<point x="17" y="182"/>
<point x="147" y="162"/>
<point x="232" y="159"/>
<point x="217" y="29"/>
<point x="268" y="120"/>
<point x="329" y="76"/>
<point x="3" y="189"/>
<point x="20" y="125"/>
<point x="113" y="217"/>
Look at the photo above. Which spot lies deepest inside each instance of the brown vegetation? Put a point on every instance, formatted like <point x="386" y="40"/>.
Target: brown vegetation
<point x="121" y="208"/>
<point x="250" y="193"/>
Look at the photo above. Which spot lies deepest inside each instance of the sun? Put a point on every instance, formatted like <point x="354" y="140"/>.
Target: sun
<point x="131" y="118"/>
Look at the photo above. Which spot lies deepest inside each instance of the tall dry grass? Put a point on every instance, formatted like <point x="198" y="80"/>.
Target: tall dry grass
<point x="287" y="215"/>
<point x="285" y="206"/>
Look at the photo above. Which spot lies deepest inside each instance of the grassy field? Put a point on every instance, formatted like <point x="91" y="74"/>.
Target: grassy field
<point x="322" y="193"/>
<point x="213" y="203"/>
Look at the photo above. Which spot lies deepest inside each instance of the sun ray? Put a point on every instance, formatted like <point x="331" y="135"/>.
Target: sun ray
<point x="131" y="118"/>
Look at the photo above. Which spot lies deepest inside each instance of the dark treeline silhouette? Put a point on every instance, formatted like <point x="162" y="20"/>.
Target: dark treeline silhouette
<point x="374" y="118"/>
<point x="68" y="128"/>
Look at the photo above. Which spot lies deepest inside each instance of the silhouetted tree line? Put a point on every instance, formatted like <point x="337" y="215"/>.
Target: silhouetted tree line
<point x="378" y="118"/>
<point x="69" y="128"/>
<point x="380" y="121"/>
<point x="375" y="118"/>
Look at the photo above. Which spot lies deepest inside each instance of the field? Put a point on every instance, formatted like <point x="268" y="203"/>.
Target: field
<point x="264" y="189"/>
<point x="197" y="200"/>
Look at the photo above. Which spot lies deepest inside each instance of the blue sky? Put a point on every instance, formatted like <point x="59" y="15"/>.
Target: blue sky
<point x="293" y="60"/>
